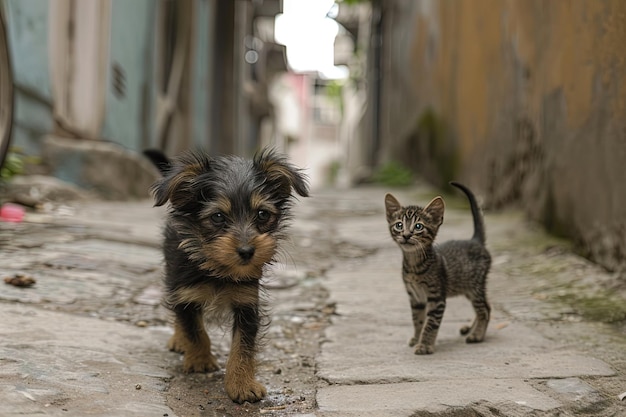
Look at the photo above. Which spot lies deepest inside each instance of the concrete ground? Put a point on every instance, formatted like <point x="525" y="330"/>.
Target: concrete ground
<point x="88" y="338"/>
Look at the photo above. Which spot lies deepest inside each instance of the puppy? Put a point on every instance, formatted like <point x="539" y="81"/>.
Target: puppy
<point x="225" y="219"/>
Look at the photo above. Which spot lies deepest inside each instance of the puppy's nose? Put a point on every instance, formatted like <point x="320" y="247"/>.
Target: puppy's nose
<point x="246" y="252"/>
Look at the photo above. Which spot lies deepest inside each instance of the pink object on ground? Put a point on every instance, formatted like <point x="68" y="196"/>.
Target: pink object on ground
<point x="11" y="213"/>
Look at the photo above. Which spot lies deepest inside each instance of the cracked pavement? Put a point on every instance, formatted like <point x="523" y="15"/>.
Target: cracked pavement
<point x="88" y="338"/>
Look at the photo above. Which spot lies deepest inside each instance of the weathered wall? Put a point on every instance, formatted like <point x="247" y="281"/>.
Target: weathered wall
<point x="27" y="26"/>
<point x="524" y="100"/>
<point x="130" y="93"/>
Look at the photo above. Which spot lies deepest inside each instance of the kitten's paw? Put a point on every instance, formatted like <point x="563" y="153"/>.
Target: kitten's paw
<point x="465" y="330"/>
<point x="413" y="341"/>
<point x="474" y="338"/>
<point x="423" y="349"/>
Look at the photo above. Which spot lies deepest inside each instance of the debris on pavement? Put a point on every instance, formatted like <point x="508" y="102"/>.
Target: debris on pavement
<point x="12" y="213"/>
<point x="20" y="280"/>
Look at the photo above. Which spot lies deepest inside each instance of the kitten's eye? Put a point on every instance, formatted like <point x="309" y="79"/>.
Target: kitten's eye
<point x="398" y="226"/>
<point x="419" y="226"/>
<point x="218" y="218"/>
<point x="263" y="215"/>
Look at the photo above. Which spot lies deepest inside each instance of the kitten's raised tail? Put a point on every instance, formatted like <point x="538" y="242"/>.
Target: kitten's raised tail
<point x="479" y="226"/>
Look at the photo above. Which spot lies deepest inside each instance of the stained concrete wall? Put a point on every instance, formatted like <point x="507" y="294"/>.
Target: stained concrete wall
<point x="524" y="100"/>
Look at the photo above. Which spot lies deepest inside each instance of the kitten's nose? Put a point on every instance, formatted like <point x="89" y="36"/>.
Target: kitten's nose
<point x="246" y="252"/>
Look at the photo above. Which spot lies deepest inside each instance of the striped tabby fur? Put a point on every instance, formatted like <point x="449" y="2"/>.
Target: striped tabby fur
<point x="433" y="272"/>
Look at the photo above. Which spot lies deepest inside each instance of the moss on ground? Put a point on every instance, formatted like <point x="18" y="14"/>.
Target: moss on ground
<point x="601" y="307"/>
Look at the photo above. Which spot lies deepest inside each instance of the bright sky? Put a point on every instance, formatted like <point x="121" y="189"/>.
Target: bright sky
<point x="309" y="36"/>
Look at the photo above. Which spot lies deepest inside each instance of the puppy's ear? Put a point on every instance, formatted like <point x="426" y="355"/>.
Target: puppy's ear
<point x="159" y="159"/>
<point x="281" y="175"/>
<point x="177" y="181"/>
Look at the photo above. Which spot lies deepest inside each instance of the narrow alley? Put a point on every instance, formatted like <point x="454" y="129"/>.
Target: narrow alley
<point x="88" y="338"/>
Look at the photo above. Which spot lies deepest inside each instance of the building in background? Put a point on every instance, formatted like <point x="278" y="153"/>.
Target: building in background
<point x="308" y="103"/>
<point x="100" y="81"/>
<point x="114" y="77"/>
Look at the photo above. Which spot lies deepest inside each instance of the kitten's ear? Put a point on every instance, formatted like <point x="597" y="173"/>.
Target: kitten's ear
<point x="435" y="208"/>
<point x="391" y="205"/>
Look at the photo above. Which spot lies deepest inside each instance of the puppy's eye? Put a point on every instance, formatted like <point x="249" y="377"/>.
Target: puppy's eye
<point x="398" y="226"/>
<point x="263" y="215"/>
<point x="419" y="226"/>
<point x="218" y="218"/>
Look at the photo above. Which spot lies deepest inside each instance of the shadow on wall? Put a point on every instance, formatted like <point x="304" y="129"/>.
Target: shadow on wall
<point x="430" y="150"/>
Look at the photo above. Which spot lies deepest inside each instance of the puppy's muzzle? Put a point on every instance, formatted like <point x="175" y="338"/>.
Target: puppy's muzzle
<point x="246" y="252"/>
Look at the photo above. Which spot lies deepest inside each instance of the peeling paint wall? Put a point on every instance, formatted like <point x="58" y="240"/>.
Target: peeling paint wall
<point x="524" y="100"/>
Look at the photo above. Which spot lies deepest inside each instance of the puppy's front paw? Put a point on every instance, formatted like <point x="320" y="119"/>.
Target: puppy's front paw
<point x="423" y="349"/>
<point x="176" y="344"/>
<point x="241" y="390"/>
<point x="200" y="362"/>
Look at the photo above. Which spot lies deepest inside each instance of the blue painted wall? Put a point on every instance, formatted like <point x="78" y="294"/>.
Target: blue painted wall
<point x="201" y="75"/>
<point x="129" y="118"/>
<point x="27" y="22"/>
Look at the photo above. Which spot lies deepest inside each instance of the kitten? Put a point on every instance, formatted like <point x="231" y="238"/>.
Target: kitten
<point x="433" y="272"/>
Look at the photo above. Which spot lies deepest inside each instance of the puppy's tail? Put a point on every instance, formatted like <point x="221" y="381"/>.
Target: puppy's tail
<point x="159" y="159"/>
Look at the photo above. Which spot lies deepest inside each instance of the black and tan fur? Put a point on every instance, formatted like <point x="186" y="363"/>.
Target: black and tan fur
<point x="225" y="218"/>
<point x="431" y="273"/>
